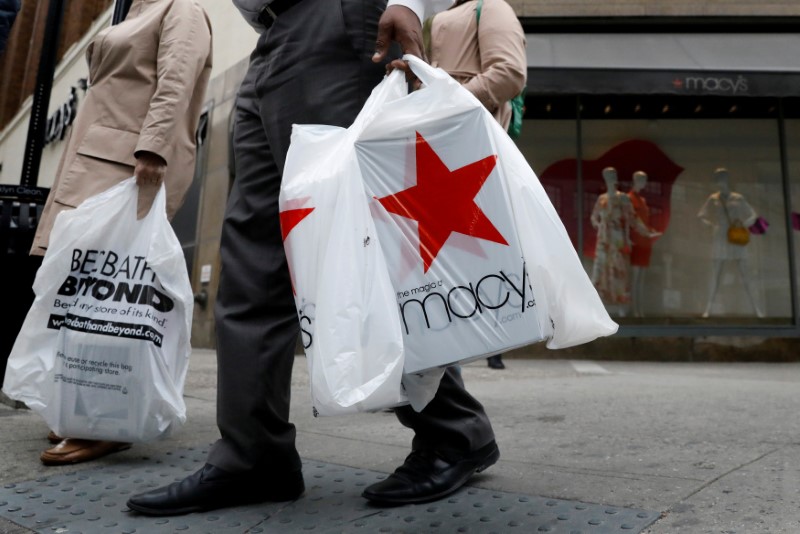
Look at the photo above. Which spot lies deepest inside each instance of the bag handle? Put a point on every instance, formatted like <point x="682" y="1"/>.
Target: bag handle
<point x="426" y="74"/>
<point x="392" y="87"/>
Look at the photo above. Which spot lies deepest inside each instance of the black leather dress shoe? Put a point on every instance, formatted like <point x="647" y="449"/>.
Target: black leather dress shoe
<point x="496" y="362"/>
<point x="211" y="488"/>
<point x="427" y="475"/>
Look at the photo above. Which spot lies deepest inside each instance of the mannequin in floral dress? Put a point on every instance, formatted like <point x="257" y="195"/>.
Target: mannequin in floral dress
<point x="613" y="216"/>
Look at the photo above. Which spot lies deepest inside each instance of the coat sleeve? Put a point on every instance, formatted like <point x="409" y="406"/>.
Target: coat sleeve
<point x="184" y="50"/>
<point x="504" y="64"/>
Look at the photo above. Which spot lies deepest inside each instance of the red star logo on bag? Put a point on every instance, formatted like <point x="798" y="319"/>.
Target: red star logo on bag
<point x="443" y="202"/>
<point x="289" y="219"/>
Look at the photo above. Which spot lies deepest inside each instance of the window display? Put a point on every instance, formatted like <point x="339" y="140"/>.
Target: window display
<point x="686" y="179"/>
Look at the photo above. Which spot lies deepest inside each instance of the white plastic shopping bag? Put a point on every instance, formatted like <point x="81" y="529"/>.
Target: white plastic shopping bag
<point x="349" y="327"/>
<point x="104" y="349"/>
<point x="479" y="260"/>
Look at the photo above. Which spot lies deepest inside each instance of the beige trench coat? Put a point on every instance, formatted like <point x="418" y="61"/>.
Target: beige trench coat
<point x="487" y="57"/>
<point x="147" y="83"/>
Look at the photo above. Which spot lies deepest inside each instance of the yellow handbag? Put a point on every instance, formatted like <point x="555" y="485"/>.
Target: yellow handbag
<point x="737" y="233"/>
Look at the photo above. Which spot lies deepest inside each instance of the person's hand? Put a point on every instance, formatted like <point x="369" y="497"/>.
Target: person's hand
<point x="399" y="24"/>
<point x="150" y="169"/>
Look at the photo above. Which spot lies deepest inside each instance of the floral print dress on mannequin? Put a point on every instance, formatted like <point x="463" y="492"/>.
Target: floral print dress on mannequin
<point x="613" y="216"/>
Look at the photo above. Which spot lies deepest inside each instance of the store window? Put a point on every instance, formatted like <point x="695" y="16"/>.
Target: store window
<point x="661" y="180"/>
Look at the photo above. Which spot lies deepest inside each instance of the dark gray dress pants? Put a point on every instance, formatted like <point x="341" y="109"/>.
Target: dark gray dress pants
<point x="312" y="66"/>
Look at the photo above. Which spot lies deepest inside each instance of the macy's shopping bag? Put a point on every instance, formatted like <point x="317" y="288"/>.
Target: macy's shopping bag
<point x="104" y="349"/>
<point x="350" y="325"/>
<point x="478" y="257"/>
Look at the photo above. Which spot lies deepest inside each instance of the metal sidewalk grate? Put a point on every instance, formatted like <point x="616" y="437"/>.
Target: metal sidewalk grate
<point x="93" y="500"/>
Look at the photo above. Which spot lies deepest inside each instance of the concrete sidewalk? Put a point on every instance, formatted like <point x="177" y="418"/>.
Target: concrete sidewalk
<point x="704" y="448"/>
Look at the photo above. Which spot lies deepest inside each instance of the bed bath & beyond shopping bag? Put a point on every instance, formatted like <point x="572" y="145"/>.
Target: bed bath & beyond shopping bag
<point x="104" y="349"/>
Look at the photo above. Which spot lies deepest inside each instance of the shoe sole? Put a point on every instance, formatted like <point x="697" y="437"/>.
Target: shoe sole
<point x="485" y="464"/>
<point x="154" y="512"/>
<point x="489" y="461"/>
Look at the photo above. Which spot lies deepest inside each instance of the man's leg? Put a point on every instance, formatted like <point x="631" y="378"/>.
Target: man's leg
<point x="454" y="422"/>
<point x="255" y="459"/>
<point x="256" y="319"/>
<point x="453" y="440"/>
<point x="306" y="72"/>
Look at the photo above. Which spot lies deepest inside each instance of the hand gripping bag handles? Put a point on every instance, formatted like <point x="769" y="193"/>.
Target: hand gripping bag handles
<point x="104" y="349"/>
<point x="350" y="326"/>
<point x="479" y="259"/>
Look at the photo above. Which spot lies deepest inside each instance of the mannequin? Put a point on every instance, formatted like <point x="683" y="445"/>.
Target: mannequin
<point x="613" y="216"/>
<point x="642" y="245"/>
<point x="713" y="213"/>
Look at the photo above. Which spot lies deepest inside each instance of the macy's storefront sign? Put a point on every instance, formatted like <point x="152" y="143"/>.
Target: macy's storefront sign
<point x="713" y="84"/>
